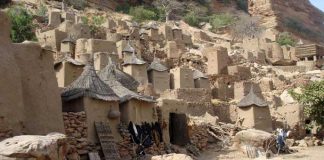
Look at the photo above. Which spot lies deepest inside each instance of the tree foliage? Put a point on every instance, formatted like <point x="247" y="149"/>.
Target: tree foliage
<point x="286" y="39"/>
<point x="140" y="14"/>
<point x="168" y="7"/>
<point x="4" y="2"/>
<point x="247" y="27"/>
<point x="218" y="21"/>
<point x="22" y="25"/>
<point x="312" y="97"/>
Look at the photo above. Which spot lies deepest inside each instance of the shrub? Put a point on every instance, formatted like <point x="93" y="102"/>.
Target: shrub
<point x="246" y="27"/>
<point x="141" y="14"/>
<point x="286" y="39"/>
<point x="77" y="4"/>
<point x="94" y="24"/>
<point x="218" y="21"/>
<point x="123" y="8"/>
<point x="42" y="11"/>
<point x="192" y="19"/>
<point x="22" y="25"/>
<point x="312" y="97"/>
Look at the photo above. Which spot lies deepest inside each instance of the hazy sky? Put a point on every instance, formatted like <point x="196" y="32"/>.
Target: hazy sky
<point x="318" y="3"/>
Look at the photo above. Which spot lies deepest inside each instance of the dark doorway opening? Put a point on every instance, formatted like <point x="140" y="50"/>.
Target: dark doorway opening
<point x="178" y="129"/>
<point x="308" y="122"/>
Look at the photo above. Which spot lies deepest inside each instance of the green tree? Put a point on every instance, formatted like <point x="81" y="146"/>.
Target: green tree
<point x="141" y="14"/>
<point x="286" y="39"/>
<point x="22" y="25"/>
<point x="312" y="97"/>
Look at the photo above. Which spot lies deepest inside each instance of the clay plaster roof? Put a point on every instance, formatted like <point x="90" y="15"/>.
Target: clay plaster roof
<point x="134" y="60"/>
<point x="89" y="85"/>
<point x="128" y="48"/>
<point x="252" y="99"/>
<point x="109" y="76"/>
<point x="157" y="66"/>
<point x="197" y="74"/>
<point x="68" y="59"/>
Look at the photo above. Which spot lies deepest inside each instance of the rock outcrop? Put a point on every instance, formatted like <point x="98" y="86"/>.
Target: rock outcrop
<point x="290" y="15"/>
<point x="51" y="147"/>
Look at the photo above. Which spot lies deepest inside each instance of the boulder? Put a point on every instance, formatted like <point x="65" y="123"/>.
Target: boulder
<point x="172" y="156"/>
<point x="51" y="147"/>
<point x="302" y="143"/>
<point x="257" y="139"/>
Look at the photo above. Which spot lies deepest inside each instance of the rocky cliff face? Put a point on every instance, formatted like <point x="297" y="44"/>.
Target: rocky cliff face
<point x="297" y="16"/>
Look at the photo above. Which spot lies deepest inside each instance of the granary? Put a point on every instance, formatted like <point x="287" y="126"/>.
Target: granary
<point x="159" y="76"/>
<point x="172" y="50"/>
<point x="91" y="95"/>
<point x="54" y="19"/>
<point x="101" y="59"/>
<point x="133" y="107"/>
<point x="166" y="31"/>
<point x="68" y="16"/>
<point x="134" y="31"/>
<point x="181" y="78"/>
<point x="67" y="70"/>
<point x="68" y="46"/>
<point x="136" y="68"/>
<point x="177" y="33"/>
<point x="200" y="79"/>
<point x="127" y="51"/>
<point x="152" y="30"/>
<point x="143" y="34"/>
<point x="217" y="60"/>
<point x="109" y="24"/>
<point x="254" y="112"/>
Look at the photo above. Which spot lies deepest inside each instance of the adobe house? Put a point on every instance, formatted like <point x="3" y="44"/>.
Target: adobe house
<point x="309" y="55"/>
<point x="133" y="107"/>
<point x="200" y="79"/>
<point x="101" y="59"/>
<point x="136" y="68"/>
<point x="240" y="71"/>
<point x="181" y="78"/>
<point x="67" y="70"/>
<point x="68" y="46"/>
<point x="172" y="50"/>
<point x="217" y="60"/>
<point x="110" y="24"/>
<point x="113" y="36"/>
<point x="173" y="116"/>
<point x="68" y="16"/>
<point x="254" y="112"/>
<point x="99" y="45"/>
<point x="159" y="76"/>
<point x="29" y="103"/>
<point x="90" y="94"/>
<point x="52" y="38"/>
<point x="166" y="31"/>
<point x="54" y="19"/>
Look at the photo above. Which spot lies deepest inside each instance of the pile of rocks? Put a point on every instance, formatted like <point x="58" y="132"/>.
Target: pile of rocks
<point x="76" y="130"/>
<point x="306" y="142"/>
<point x="199" y="136"/>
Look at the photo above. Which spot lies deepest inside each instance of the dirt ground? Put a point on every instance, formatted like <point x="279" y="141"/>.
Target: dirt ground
<point x="309" y="153"/>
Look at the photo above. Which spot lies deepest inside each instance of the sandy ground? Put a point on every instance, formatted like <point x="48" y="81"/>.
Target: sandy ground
<point x="310" y="153"/>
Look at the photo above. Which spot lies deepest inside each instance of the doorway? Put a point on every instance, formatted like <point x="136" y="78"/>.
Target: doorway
<point x="178" y="129"/>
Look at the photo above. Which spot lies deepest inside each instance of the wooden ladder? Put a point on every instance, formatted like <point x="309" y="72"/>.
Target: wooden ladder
<point x="107" y="142"/>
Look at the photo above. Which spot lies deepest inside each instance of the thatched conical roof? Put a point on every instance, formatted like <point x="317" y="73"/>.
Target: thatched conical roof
<point x="197" y="74"/>
<point x="157" y="66"/>
<point x="108" y="75"/>
<point x="133" y="60"/>
<point x="252" y="99"/>
<point x="128" y="48"/>
<point x="68" y="58"/>
<point x="89" y="85"/>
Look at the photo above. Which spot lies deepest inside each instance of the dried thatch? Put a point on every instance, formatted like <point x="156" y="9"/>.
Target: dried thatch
<point x="133" y="60"/>
<point x="128" y="48"/>
<point x="157" y="66"/>
<point x="89" y="85"/>
<point x="69" y="59"/>
<point x="108" y="75"/>
<point x="197" y="74"/>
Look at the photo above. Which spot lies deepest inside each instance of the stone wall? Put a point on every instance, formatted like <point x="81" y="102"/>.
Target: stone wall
<point x="75" y="127"/>
<point x="188" y="94"/>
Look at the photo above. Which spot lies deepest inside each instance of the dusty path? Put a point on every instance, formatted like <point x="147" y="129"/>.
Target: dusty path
<point x="310" y="153"/>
